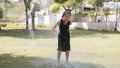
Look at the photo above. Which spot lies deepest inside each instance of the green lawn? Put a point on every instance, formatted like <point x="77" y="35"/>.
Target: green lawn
<point x="89" y="49"/>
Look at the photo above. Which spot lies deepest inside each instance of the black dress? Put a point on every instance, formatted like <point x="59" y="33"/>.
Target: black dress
<point x="64" y="37"/>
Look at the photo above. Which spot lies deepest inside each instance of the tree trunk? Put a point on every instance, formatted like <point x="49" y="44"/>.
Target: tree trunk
<point x="0" y="28"/>
<point x="33" y="19"/>
<point x="96" y="14"/>
<point x="27" y="18"/>
<point x="116" y="17"/>
<point x="75" y="13"/>
<point x="26" y="6"/>
<point x="106" y="18"/>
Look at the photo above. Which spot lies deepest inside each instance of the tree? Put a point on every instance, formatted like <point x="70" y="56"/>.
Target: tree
<point x="31" y="7"/>
<point x="55" y="7"/>
<point x="79" y="6"/>
<point x="116" y="23"/>
<point x="106" y="12"/>
<point x="2" y="8"/>
<point x="74" y="4"/>
<point x="1" y="13"/>
<point x="97" y="4"/>
<point x="35" y="7"/>
<point x="69" y="4"/>
<point x="8" y="1"/>
<point x="60" y="1"/>
<point x="27" y="6"/>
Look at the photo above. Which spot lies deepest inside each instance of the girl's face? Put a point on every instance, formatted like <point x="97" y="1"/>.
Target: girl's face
<point x="66" y="17"/>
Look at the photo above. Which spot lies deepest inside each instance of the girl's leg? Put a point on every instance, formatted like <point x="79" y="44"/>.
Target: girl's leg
<point x="67" y="56"/>
<point x="58" y="56"/>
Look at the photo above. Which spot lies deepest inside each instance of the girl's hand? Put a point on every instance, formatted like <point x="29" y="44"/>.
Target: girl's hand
<point x="53" y="32"/>
<point x="53" y="29"/>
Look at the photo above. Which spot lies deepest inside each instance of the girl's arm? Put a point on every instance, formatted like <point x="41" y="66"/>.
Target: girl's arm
<point x="58" y="23"/>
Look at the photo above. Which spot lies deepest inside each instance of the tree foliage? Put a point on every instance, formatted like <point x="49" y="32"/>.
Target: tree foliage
<point x="96" y="3"/>
<point x="36" y="6"/>
<point x="68" y="4"/>
<point x="28" y="3"/>
<point x="2" y="8"/>
<point x="55" y="7"/>
<point x="106" y="11"/>
<point x="92" y="2"/>
<point x="60" y="1"/>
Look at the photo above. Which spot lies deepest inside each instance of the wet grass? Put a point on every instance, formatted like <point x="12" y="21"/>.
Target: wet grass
<point x="89" y="49"/>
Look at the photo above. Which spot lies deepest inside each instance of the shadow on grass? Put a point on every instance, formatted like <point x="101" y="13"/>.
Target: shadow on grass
<point x="12" y="61"/>
<point x="46" y="33"/>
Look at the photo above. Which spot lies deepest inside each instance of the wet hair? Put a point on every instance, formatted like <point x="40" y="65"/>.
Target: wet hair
<point x="67" y="11"/>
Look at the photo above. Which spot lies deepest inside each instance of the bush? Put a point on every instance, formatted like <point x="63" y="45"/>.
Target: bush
<point x="84" y="13"/>
<point x="16" y="26"/>
<point x="3" y="25"/>
<point x="41" y="25"/>
<point x="12" y="17"/>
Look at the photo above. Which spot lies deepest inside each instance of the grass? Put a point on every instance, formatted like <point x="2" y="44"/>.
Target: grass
<point x="89" y="49"/>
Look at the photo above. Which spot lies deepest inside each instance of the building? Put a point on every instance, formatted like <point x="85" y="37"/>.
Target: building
<point x="111" y="4"/>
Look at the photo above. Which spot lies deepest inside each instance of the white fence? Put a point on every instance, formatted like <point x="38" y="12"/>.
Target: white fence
<point x="96" y="26"/>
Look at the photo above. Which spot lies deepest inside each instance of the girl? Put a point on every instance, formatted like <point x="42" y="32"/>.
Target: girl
<point x="64" y="35"/>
